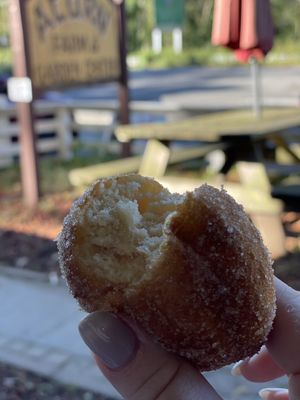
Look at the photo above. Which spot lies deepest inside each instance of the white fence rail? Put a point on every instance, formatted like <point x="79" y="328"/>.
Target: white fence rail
<point x="54" y="131"/>
<point x="61" y="120"/>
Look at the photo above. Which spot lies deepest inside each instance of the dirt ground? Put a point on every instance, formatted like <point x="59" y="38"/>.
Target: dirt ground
<point x="27" y="238"/>
<point x="19" y="384"/>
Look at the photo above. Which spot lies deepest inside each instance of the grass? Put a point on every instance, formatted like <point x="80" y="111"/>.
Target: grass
<point x="207" y="55"/>
<point x="54" y="172"/>
<point x="5" y="59"/>
<point x="283" y="53"/>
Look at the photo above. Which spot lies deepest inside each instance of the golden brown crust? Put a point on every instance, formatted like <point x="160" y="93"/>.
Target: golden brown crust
<point x="210" y="297"/>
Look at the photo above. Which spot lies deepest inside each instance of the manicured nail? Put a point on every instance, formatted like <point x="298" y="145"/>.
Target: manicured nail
<point x="267" y="392"/>
<point x="110" y="338"/>
<point x="236" y="369"/>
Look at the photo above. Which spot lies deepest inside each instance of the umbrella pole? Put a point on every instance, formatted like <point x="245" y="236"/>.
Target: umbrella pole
<point x="256" y="86"/>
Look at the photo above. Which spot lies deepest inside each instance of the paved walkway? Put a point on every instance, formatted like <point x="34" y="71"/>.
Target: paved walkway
<point x="38" y="331"/>
<point x="201" y="88"/>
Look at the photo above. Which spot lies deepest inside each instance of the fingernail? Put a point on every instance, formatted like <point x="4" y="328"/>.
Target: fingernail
<point x="265" y="393"/>
<point x="236" y="369"/>
<point x="110" y="338"/>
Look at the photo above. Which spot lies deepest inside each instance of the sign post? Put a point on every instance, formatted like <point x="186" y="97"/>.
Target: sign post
<point x="169" y="16"/>
<point x="123" y="84"/>
<point x="59" y="44"/>
<point x="28" y="153"/>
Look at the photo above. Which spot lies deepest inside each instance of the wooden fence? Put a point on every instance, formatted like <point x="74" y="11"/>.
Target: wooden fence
<point x="56" y="123"/>
<point x="53" y="127"/>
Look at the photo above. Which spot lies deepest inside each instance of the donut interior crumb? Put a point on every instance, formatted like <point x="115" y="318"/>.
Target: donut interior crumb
<point x="125" y="228"/>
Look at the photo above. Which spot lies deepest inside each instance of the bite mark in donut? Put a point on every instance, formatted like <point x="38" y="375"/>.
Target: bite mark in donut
<point x="191" y="269"/>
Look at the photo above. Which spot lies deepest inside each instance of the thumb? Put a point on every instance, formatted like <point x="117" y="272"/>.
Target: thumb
<point x="283" y="354"/>
<point x="283" y="343"/>
<point x="138" y="368"/>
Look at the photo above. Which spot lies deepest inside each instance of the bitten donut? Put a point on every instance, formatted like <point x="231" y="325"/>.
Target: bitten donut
<point x="191" y="269"/>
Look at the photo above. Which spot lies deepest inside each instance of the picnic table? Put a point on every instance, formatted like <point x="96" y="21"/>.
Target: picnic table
<point x="244" y="135"/>
<point x="238" y="134"/>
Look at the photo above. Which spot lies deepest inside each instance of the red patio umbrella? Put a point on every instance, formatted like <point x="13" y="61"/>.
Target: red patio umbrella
<point x="246" y="27"/>
<point x="226" y="23"/>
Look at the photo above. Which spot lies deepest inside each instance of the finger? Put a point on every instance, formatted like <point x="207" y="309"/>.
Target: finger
<point x="139" y="369"/>
<point x="283" y="343"/>
<point x="259" y="368"/>
<point x="294" y="386"/>
<point x="274" y="394"/>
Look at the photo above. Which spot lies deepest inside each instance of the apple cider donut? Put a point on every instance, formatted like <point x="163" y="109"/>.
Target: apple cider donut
<point x="191" y="269"/>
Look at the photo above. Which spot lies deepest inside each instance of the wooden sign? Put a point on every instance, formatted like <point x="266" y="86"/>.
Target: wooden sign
<point x="72" y="42"/>
<point x="58" y="44"/>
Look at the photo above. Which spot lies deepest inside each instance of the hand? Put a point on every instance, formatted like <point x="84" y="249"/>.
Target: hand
<point x="139" y="369"/>
<point x="281" y="355"/>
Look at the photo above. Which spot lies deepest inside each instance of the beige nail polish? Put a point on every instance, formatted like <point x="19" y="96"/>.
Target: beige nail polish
<point x="265" y="393"/>
<point x="236" y="369"/>
<point x="110" y="338"/>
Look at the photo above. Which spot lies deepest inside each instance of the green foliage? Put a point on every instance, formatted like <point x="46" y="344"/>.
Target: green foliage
<point x="285" y="52"/>
<point x="5" y="53"/>
<point x="139" y="23"/>
<point x="205" y="55"/>
<point x="3" y="19"/>
<point x="286" y="14"/>
<point x="196" y="34"/>
<point x="5" y="59"/>
<point x="198" y="21"/>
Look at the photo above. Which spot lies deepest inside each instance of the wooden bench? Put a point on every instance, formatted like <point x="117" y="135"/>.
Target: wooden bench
<point x="245" y="136"/>
<point x="80" y="177"/>
<point x="283" y="156"/>
<point x="212" y="127"/>
<point x="154" y="162"/>
<point x="254" y="176"/>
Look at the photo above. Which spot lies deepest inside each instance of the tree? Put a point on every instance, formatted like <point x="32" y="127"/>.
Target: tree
<point x="198" y="22"/>
<point x="139" y="23"/>
<point x="286" y="15"/>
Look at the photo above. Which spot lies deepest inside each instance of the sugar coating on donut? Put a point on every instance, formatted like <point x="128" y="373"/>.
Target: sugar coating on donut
<point x="191" y="269"/>
<point x="231" y="280"/>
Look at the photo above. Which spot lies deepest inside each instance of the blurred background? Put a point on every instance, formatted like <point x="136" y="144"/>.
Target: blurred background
<point x="211" y="93"/>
